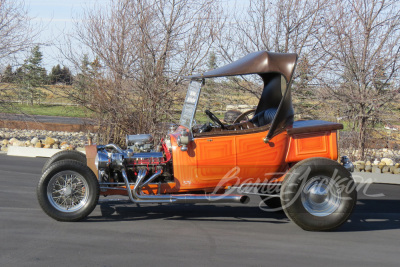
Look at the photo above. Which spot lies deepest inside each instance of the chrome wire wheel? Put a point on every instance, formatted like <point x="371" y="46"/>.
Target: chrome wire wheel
<point x="68" y="191"/>
<point x="321" y="196"/>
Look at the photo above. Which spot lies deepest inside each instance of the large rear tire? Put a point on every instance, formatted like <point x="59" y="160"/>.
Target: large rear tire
<point x="66" y="154"/>
<point x="68" y="191"/>
<point x="318" y="194"/>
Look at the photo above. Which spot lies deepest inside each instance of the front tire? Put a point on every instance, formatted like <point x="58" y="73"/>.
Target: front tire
<point x="68" y="191"/>
<point x="63" y="155"/>
<point x="318" y="194"/>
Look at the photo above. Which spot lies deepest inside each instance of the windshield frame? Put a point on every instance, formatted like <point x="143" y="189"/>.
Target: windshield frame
<point x="190" y="104"/>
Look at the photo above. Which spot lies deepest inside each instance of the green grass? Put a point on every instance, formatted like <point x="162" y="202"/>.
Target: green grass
<point x="48" y="110"/>
<point x="201" y="117"/>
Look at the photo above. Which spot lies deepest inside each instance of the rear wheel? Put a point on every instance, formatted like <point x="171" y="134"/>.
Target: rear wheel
<point x="66" y="154"/>
<point x="318" y="194"/>
<point x="68" y="191"/>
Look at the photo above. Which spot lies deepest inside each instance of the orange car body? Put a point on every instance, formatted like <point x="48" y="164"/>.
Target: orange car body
<point x="214" y="163"/>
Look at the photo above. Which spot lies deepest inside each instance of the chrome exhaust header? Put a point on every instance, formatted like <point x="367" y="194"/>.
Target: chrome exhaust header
<point x="136" y="196"/>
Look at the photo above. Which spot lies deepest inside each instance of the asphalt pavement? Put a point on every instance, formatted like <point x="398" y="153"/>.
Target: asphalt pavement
<point x="188" y="235"/>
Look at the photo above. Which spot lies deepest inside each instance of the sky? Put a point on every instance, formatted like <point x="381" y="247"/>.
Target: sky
<point x="56" y="17"/>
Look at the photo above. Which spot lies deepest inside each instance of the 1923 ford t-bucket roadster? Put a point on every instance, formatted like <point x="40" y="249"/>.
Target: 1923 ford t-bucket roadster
<point x="297" y="159"/>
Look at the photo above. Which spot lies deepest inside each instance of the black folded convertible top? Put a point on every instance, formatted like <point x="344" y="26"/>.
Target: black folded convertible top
<point x="255" y="63"/>
<point x="270" y="66"/>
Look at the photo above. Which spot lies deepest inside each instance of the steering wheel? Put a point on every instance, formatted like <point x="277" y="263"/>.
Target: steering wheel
<point x="245" y="116"/>
<point x="214" y="118"/>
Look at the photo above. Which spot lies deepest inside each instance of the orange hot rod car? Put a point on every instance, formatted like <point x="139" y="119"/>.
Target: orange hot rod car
<point x="290" y="164"/>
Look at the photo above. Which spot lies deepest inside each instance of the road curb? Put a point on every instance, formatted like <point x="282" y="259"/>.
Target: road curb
<point x="376" y="178"/>
<point x="32" y="152"/>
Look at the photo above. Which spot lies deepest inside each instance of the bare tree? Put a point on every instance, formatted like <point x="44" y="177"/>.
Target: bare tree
<point x="362" y="41"/>
<point x="141" y="48"/>
<point x="15" y="28"/>
<point x="16" y="35"/>
<point x="278" y="26"/>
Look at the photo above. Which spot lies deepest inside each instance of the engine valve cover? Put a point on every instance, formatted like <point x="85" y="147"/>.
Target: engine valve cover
<point x="151" y="158"/>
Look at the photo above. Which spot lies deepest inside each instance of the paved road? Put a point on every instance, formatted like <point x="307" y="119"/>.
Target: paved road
<point x="200" y="235"/>
<point x="48" y="119"/>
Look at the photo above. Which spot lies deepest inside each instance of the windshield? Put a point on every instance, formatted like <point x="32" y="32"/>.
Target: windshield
<point x="190" y="104"/>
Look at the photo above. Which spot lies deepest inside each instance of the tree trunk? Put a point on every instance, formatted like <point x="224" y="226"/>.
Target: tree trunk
<point x="361" y="140"/>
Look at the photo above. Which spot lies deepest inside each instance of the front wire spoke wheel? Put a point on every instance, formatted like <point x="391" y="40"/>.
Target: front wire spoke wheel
<point x="68" y="192"/>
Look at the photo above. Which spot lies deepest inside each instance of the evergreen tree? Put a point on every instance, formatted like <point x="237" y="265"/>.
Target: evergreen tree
<point x="60" y="75"/>
<point x="55" y="75"/>
<point x="66" y="76"/>
<point x="8" y="75"/>
<point x="33" y="76"/>
<point x="85" y="64"/>
<point x="82" y="80"/>
<point x="18" y="74"/>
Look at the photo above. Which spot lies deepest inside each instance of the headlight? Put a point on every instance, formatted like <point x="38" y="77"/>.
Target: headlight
<point x="102" y="160"/>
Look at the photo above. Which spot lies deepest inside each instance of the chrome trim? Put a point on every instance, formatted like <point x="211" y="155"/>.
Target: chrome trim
<point x="119" y="150"/>
<point x="113" y="188"/>
<point x="259" y="194"/>
<point x="107" y="183"/>
<point x="192" y="198"/>
<point x="122" y="184"/>
<point x="102" y="161"/>
<point x="117" y="200"/>
<point x="139" y="138"/>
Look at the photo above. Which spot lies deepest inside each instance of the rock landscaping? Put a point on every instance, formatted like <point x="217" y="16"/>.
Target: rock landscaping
<point x="382" y="160"/>
<point x="44" y="139"/>
<point x="385" y="165"/>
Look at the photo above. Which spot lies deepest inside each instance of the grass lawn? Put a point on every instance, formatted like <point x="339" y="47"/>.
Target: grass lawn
<point x="48" y="110"/>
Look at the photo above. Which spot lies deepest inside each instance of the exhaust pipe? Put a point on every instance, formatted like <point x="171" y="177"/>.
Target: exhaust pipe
<point x="136" y="197"/>
<point x="190" y="198"/>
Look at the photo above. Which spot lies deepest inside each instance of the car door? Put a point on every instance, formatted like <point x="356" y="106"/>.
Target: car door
<point x="216" y="157"/>
<point x="240" y="157"/>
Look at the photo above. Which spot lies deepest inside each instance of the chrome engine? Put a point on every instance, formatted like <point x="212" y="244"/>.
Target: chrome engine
<point x="139" y="155"/>
<point x="140" y="142"/>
